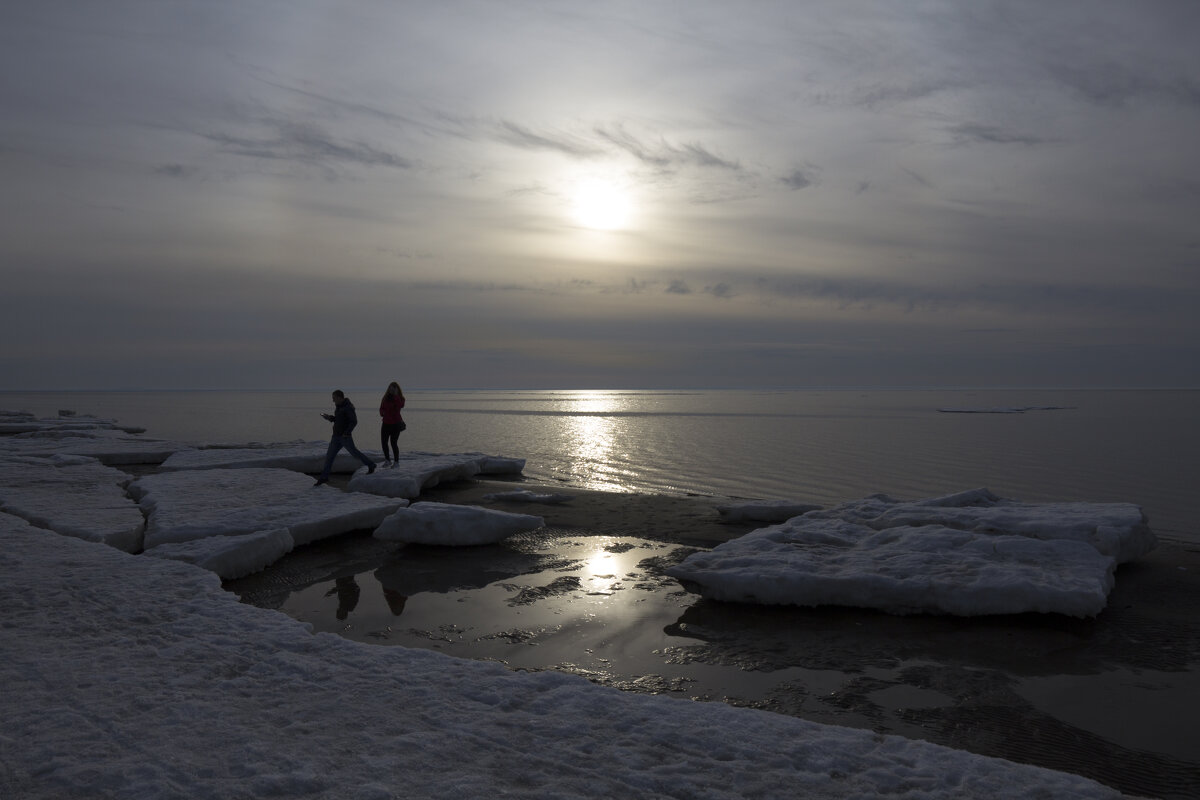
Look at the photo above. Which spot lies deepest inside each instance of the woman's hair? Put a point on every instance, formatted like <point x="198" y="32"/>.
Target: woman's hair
<point x="399" y="392"/>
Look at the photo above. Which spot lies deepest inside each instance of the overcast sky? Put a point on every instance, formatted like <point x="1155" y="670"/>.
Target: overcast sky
<point x="209" y="194"/>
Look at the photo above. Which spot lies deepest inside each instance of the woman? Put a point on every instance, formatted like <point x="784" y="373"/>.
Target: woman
<point x="393" y="423"/>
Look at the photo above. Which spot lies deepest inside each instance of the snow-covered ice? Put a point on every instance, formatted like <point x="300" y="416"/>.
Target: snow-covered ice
<point x="969" y="553"/>
<point x="902" y="570"/>
<point x="764" y="510"/>
<point x="230" y="556"/>
<point x="449" y="524"/>
<point x="184" y="506"/>
<point x="416" y="471"/>
<point x="306" y="457"/>
<point x="127" y="676"/>
<point x="37" y="489"/>
<point x="1116" y="529"/>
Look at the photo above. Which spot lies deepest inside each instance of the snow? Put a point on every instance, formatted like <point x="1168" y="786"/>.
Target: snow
<point x="902" y="570"/>
<point x="185" y="506"/>
<point x="416" y="471"/>
<point x="1116" y="529"/>
<point x="764" y="510"/>
<point x="34" y="489"/>
<point x="230" y="556"/>
<point x="969" y="553"/>
<point x="128" y="676"/>
<point x="448" y="524"/>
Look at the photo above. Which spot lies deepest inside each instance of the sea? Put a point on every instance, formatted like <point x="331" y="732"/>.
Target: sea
<point x="819" y="446"/>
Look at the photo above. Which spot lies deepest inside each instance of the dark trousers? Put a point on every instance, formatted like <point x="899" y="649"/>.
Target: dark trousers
<point x="336" y="444"/>
<point x="389" y="433"/>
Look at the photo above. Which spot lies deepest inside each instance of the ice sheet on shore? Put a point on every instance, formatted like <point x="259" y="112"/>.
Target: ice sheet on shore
<point x="111" y="447"/>
<point x="229" y="698"/>
<point x="969" y="554"/>
<point x="74" y="496"/>
<point x="185" y="506"/>
<point x="416" y="471"/>
<point x="457" y="525"/>
<point x="307" y="457"/>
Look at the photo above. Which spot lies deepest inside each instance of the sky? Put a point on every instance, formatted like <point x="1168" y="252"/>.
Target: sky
<point x="228" y="194"/>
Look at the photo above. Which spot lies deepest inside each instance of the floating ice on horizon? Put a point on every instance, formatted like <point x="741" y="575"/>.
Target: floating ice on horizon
<point x="969" y="553"/>
<point x="450" y="524"/>
<point x="34" y="489"/>
<point x="764" y="510"/>
<point x="183" y="506"/>
<point x="230" y="556"/>
<point x="1003" y="409"/>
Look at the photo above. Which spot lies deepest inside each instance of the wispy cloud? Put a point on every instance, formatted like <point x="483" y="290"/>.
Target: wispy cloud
<point x="306" y="143"/>
<point x="663" y="154"/>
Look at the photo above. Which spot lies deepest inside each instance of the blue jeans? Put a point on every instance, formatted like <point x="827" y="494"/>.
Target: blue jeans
<point x="335" y="445"/>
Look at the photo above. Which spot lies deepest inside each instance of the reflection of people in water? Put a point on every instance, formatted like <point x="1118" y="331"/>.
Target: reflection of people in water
<point x="347" y="592"/>
<point x="395" y="601"/>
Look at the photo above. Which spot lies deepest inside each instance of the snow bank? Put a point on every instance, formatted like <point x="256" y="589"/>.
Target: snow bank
<point x="169" y="687"/>
<point x="448" y="524"/>
<point x="185" y="506"/>
<point x="764" y="510"/>
<point x="969" y="553"/>
<point x="36" y="489"/>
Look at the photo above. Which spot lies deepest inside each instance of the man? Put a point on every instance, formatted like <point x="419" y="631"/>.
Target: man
<point x="344" y="419"/>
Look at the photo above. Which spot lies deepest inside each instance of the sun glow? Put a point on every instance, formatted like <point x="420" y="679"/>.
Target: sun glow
<point x="601" y="205"/>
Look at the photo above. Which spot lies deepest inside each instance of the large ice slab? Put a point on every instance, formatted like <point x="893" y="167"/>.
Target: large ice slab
<point x="230" y="556"/>
<point x="184" y="506"/>
<point x="812" y="562"/>
<point x="1116" y="529"/>
<point x="416" y="471"/>
<point x="111" y="447"/>
<point x="72" y="495"/>
<point x="308" y="457"/>
<point x="448" y="524"/>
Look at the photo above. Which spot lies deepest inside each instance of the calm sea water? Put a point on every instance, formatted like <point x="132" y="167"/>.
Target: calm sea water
<point x="1136" y="446"/>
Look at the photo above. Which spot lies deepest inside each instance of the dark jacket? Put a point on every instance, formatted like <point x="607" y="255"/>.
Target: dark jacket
<point x="344" y="418"/>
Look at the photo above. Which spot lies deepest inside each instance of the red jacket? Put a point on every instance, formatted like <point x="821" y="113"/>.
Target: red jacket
<point x="389" y="409"/>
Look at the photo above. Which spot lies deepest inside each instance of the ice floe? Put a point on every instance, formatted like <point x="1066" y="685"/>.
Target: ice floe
<point x="1116" y="529"/>
<point x="416" y="471"/>
<point x="72" y="495"/>
<point x="230" y="556"/>
<point x="764" y="510"/>
<point x="128" y="676"/>
<point x="185" y="506"/>
<point x="448" y="524"/>
<point x="969" y="553"/>
<point x="308" y="457"/>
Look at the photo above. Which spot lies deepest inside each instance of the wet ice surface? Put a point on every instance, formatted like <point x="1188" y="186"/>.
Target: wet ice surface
<point x="1093" y="697"/>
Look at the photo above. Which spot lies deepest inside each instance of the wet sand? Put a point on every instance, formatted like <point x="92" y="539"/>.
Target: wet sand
<point x="1114" y="698"/>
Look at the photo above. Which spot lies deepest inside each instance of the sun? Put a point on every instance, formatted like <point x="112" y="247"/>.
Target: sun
<point x="601" y="205"/>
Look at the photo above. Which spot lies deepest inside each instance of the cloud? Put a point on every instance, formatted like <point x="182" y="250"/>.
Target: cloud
<point x="519" y="136"/>
<point x="662" y="154"/>
<point x="969" y="132"/>
<point x="799" y="179"/>
<point x="175" y="170"/>
<point x="306" y="143"/>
